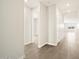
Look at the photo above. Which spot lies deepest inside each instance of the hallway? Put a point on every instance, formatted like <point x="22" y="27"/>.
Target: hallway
<point x="66" y="49"/>
<point x="51" y="29"/>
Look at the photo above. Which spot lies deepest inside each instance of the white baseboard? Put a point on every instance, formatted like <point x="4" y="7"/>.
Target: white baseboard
<point x="26" y="43"/>
<point x="39" y="46"/>
<point x="55" y="43"/>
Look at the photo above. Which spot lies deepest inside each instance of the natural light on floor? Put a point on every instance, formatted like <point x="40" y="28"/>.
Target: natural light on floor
<point x="71" y="38"/>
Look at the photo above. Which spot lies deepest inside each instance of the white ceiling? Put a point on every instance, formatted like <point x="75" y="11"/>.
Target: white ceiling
<point x="71" y="10"/>
<point x="35" y="3"/>
<point x="49" y="2"/>
<point x="73" y="5"/>
<point x="68" y="7"/>
<point x="32" y="3"/>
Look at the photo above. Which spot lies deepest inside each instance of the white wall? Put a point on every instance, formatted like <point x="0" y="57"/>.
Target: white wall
<point x="27" y="25"/>
<point x="52" y="24"/>
<point x="47" y="26"/>
<point x="40" y="25"/>
<point x="11" y="29"/>
<point x="72" y="17"/>
<point x="56" y="25"/>
<point x="43" y="25"/>
<point x="60" y="25"/>
<point x="35" y="24"/>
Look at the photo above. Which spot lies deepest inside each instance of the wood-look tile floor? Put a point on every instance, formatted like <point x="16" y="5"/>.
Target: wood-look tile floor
<point x="64" y="50"/>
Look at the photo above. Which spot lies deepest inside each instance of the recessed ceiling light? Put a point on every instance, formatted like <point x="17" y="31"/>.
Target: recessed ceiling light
<point x="26" y="1"/>
<point x="67" y="4"/>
